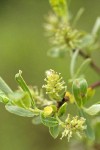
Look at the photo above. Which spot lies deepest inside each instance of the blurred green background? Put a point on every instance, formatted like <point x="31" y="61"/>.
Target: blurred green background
<point x="24" y="46"/>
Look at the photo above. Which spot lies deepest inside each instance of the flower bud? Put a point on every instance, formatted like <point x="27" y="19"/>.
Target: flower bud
<point x="79" y="88"/>
<point x="47" y="111"/>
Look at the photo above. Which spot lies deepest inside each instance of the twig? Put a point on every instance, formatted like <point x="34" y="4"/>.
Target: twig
<point x="93" y="65"/>
<point x="95" y="85"/>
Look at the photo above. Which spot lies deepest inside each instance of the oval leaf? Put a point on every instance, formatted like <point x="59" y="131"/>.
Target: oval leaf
<point x="54" y="131"/>
<point x="36" y="120"/>
<point x="57" y="52"/>
<point x="49" y="121"/>
<point x="93" y="110"/>
<point x="62" y="109"/>
<point x="73" y="62"/>
<point x="89" y="131"/>
<point x="82" y="67"/>
<point x="19" y="111"/>
<point x="23" y="100"/>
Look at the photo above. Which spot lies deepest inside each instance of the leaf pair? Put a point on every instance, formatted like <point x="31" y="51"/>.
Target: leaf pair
<point x="17" y="102"/>
<point x="20" y="105"/>
<point x="52" y="123"/>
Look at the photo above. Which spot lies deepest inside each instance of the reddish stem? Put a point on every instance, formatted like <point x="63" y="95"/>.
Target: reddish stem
<point x="92" y="64"/>
<point x="95" y="85"/>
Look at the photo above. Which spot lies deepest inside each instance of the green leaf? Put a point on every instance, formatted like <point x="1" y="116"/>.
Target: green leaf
<point x="86" y="41"/>
<point x="57" y="52"/>
<point x="54" y="131"/>
<point x="3" y="98"/>
<point x="73" y="62"/>
<point x="89" y="130"/>
<point x="49" y="121"/>
<point x="36" y="120"/>
<point x="79" y="89"/>
<point x="4" y="87"/>
<point x="23" y="101"/>
<point x="96" y="120"/>
<point x="96" y="26"/>
<point x="54" y="107"/>
<point x="83" y="67"/>
<point x="26" y="100"/>
<point x="19" y="111"/>
<point x="77" y="17"/>
<point x="62" y="109"/>
<point x="93" y="110"/>
<point x="60" y="7"/>
<point x="23" y="84"/>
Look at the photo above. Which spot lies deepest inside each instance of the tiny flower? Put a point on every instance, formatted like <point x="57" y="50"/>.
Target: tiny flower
<point x="73" y="125"/>
<point x="61" y="34"/>
<point x="55" y="86"/>
<point x="39" y="98"/>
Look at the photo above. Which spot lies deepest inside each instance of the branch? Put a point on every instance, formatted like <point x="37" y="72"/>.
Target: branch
<point x="92" y="64"/>
<point x="95" y="85"/>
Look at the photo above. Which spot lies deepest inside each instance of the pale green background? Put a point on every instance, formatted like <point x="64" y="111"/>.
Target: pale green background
<point x="24" y="46"/>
